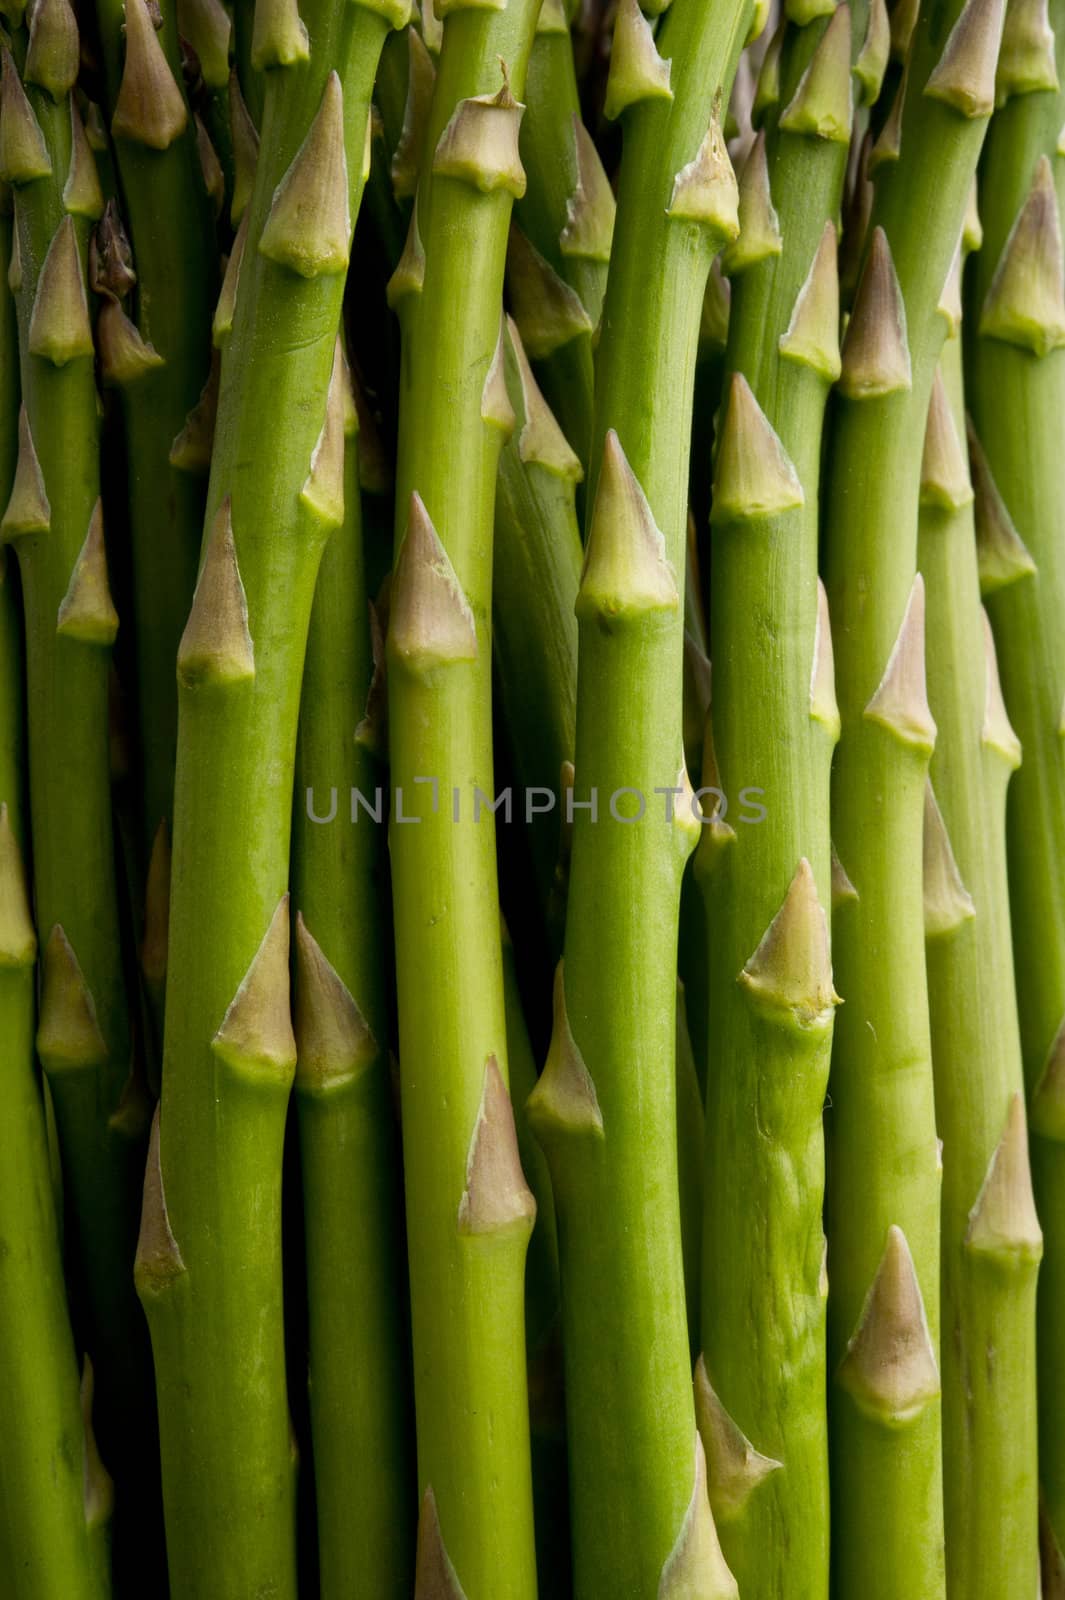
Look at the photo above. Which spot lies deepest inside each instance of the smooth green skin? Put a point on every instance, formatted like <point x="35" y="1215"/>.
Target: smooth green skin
<point x="466" y="1291"/>
<point x="762" y="1236"/>
<point x="1015" y="398"/>
<point x="45" y="1547"/>
<point x="691" y="1141"/>
<point x="628" y="1377"/>
<point x="175" y="254"/>
<point x="887" y="1508"/>
<point x="73" y="859"/>
<point x="989" y="1408"/>
<point x="361" y="1421"/>
<point x="217" y="1327"/>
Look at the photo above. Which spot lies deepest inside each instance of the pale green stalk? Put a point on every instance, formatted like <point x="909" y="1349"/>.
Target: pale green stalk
<point x="209" y="1261"/>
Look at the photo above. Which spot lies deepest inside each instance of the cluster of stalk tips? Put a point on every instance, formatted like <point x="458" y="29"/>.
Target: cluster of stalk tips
<point x="494" y="1105"/>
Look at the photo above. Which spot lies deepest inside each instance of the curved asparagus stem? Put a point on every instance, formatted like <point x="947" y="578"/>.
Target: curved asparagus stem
<point x="158" y="354"/>
<point x="991" y="1241"/>
<point x="884" y="1181"/>
<point x="604" y="1108"/>
<point x="359" y="1371"/>
<point x="53" y="518"/>
<point x="209" y="1261"/>
<point x="1015" y="374"/>
<point x="46" y="1544"/>
<point x="469" y="1212"/>
<point x="765" y="866"/>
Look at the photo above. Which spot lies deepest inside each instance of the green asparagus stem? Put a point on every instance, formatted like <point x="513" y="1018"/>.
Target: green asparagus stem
<point x="765" y="865"/>
<point x="990" y="1240"/>
<point x="1016" y="387"/>
<point x="209" y="1262"/>
<point x="159" y="358"/>
<point x="49" y="1505"/>
<point x="884" y="1179"/>
<point x="469" y="1212"/>
<point x="54" y="519"/>
<point x="604" y="1108"/>
<point x="359" y="1372"/>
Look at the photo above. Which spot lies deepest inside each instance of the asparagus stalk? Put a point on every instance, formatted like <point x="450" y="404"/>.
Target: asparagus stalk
<point x="765" y="865"/>
<point x="53" y="1500"/>
<point x="1016" y="387"/>
<point x="469" y="1212"/>
<point x="209" y="1262"/>
<point x="53" y="518"/>
<point x="991" y="1241"/>
<point x="604" y="1108"/>
<point x="884" y="1180"/>
<point x="359" y="1375"/>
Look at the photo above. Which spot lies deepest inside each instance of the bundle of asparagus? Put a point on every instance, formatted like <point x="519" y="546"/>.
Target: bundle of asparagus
<point x="507" y="662"/>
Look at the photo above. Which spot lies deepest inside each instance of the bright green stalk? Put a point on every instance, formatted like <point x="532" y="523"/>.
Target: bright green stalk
<point x="604" y="1108"/>
<point x="469" y="1212"/>
<point x="54" y="519"/>
<point x="557" y="265"/>
<point x="1016" y="391"/>
<point x="991" y="1242"/>
<point x="884" y="1178"/>
<point x="160" y="359"/>
<point x="765" y="865"/>
<point x="356" y="1269"/>
<point x="49" y="1508"/>
<point x="209" y="1262"/>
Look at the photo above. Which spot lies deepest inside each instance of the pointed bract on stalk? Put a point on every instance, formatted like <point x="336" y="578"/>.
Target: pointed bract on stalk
<point x="876" y="353"/>
<point x="150" y="108"/>
<point x="626" y="573"/>
<point x="996" y="732"/>
<point x="944" y="468"/>
<point x="695" y="1565"/>
<point x="843" y="890"/>
<point x="823" y="705"/>
<point x="435" y="1577"/>
<point x="1047" y="1114"/>
<point x="59" y="328"/>
<point x="1025" y="304"/>
<point x="23" y="152"/>
<point x="27" y="509"/>
<point x="947" y="902"/>
<point x="323" y="490"/>
<point x="479" y="146"/>
<point x="255" y="1035"/>
<point x="68" y="1033"/>
<point x="767" y="89"/>
<point x="496" y="1198"/>
<point x="409" y="276"/>
<point x="789" y="976"/>
<point x="1026" y="62"/>
<point x="191" y="450"/>
<point x="54" y="50"/>
<point x="812" y="334"/>
<point x="736" y="1468"/>
<point x="279" y="38"/>
<point x="964" y="76"/>
<point x="308" y="228"/>
<point x="888" y="146"/>
<point x="124" y="355"/>
<point x="211" y="168"/>
<point x="900" y="703"/>
<point x="950" y="306"/>
<point x="541" y="440"/>
<point x="872" y="59"/>
<point x="216" y="646"/>
<point x="407" y="156"/>
<point x="86" y="611"/>
<point x="821" y="104"/>
<point x="759" y="234"/>
<point x="564" y="1100"/>
<point x="547" y="310"/>
<point x="226" y="308"/>
<point x="206" y="26"/>
<point x="803" y="12"/>
<point x="637" y="71"/>
<point x="890" y="1366"/>
<point x="82" y="194"/>
<point x="753" y="476"/>
<point x="1002" y="555"/>
<point x="245" y="139"/>
<point x="1003" y="1225"/>
<point x="153" y="951"/>
<point x="333" y="1039"/>
<point x="158" y="1261"/>
<point x="99" y="1489"/>
<point x="18" y="938"/>
<point x="706" y="190"/>
<point x="590" y="208"/>
<point x="430" y="623"/>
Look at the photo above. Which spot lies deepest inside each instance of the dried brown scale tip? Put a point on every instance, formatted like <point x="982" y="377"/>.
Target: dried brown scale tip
<point x="496" y="1198"/>
<point x="997" y="731"/>
<point x="888" y="146"/>
<point x="1048" y="1100"/>
<point x="27" y="510"/>
<point x="876" y="354"/>
<point x="23" y="152"/>
<point x="900" y="703"/>
<point x="789" y="976"/>
<point x="226" y="309"/>
<point x="216" y="646"/>
<point x="205" y="25"/>
<point x="68" y="1034"/>
<point x="1026" y="61"/>
<point x="753" y="475"/>
<point x="158" y="1261"/>
<point x="948" y="904"/>
<point x="637" y="71"/>
<point x="872" y="59"/>
<point x="736" y="1468"/>
<point x="255" y="1035"/>
<point x="564" y="1099"/>
<point x="821" y="104"/>
<point x="245" y="137"/>
<point x="421" y="76"/>
<point x="812" y="334"/>
<point x="323" y="490"/>
<point x="695" y="1565"/>
<point x="547" y="311"/>
<point x="86" y="611"/>
<point x="434" y="1576"/>
<point x="18" y="938"/>
<point x="110" y="256"/>
<point x="1025" y="304"/>
<point x="54" y="49"/>
<point x="479" y="146"/>
<point x="191" y="450"/>
<point x="279" y="38"/>
<point x="589" y="228"/>
<point x="1003" y="1225"/>
<point x="98" y="1494"/>
<point x="124" y="355"/>
<point x="60" y="330"/>
<point x="1002" y="556"/>
<point x="626" y="573"/>
<point x="541" y="440"/>
<point x="154" y="944"/>
<point x="823" y="706"/>
<point x="430" y="623"/>
<point x="759" y="234"/>
<point x="944" y="468"/>
<point x="149" y="108"/>
<point x="890" y="1366"/>
<point x="334" y="1043"/>
<point x="308" y="228"/>
<point x="964" y="76"/>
